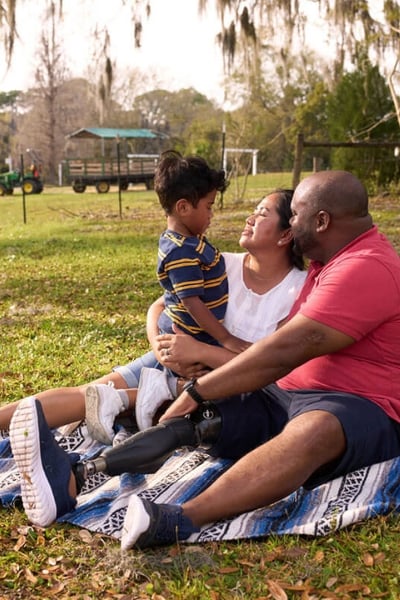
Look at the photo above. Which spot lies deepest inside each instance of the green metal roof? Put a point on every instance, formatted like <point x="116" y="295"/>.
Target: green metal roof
<point x="112" y="133"/>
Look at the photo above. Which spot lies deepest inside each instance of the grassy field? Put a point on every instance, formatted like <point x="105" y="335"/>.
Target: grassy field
<point x="76" y="280"/>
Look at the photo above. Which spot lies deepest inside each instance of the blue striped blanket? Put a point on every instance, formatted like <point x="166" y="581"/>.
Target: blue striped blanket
<point x="102" y="502"/>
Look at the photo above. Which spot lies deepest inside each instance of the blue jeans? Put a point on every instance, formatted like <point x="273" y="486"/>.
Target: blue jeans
<point x="131" y="371"/>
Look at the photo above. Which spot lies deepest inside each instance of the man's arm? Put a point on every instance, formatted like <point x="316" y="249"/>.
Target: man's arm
<point x="269" y="359"/>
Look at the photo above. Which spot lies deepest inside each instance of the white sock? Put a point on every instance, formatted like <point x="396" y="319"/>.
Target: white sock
<point x="123" y="394"/>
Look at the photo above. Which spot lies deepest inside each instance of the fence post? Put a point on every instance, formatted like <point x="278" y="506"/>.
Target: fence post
<point x="298" y="160"/>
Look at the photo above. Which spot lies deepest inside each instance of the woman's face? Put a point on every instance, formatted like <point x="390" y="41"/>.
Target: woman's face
<point x="262" y="227"/>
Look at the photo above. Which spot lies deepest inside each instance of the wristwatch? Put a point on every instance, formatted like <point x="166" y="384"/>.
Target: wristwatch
<point x="193" y="393"/>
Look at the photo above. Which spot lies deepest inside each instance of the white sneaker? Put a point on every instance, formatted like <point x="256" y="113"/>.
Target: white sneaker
<point x="152" y="392"/>
<point x="102" y="405"/>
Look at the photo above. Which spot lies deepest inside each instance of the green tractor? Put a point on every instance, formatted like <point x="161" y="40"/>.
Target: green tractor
<point x="30" y="182"/>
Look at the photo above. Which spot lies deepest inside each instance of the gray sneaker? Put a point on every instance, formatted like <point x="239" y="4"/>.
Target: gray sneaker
<point x="102" y="405"/>
<point x="149" y="524"/>
<point x="152" y="392"/>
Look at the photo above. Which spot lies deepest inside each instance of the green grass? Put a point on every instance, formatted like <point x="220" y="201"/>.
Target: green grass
<point x="76" y="280"/>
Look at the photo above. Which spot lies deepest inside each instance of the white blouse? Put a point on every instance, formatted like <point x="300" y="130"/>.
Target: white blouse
<point x="251" y="316"/>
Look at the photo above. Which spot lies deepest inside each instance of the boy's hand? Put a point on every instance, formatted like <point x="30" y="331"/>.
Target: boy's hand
<point x="235" y="344"/>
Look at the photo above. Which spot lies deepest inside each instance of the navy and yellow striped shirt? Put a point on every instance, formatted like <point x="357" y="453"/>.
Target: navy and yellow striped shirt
<point x="190" y="266"/>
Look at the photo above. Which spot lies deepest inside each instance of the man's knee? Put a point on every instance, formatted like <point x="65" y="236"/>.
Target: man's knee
<point x="319" y="434"/>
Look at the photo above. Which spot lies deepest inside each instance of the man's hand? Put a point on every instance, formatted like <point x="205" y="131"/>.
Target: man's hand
<point x="182" y="406"/>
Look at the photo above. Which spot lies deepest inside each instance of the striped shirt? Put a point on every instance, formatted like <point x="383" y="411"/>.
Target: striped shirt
<point x="190" y="266"/>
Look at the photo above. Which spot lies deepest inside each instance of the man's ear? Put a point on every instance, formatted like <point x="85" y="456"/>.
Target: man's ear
<point x="323" y="220"/>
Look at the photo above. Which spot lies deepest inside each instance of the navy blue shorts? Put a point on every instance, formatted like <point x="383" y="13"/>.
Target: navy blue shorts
<point x="250" y="420"/>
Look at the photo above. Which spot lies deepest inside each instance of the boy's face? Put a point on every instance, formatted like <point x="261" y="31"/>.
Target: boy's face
<point x="199" y="217"/>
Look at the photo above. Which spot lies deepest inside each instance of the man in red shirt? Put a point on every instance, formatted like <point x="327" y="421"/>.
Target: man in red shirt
<point x="335" y="406"/>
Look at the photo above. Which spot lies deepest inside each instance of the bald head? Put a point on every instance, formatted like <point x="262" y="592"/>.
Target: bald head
<point x="330" y="209"/>
<point x="338" y="192"/>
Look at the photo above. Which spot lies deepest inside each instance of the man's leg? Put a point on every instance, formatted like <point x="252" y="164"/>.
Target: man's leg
<point x="146" y="451"/>
<point x="263" y="476"/>
<point x="273" y="470"/>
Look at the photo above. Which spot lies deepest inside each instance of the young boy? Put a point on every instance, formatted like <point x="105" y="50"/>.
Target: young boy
<point x="190" y="269"/>
<point x="192" y="273"/>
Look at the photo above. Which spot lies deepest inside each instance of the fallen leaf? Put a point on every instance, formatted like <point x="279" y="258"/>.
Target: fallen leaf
<point x="319" y="556"/>
<point x="331" y="582"/>
<point x="295" y="552"/>
<point x="85" y="536"/>
<point x="30" y="576"/>
<point x="20" y="543"/>
<point x="368" y="559"/>
<point x="226" y="570"/>
<point x="277" y="592"/>
<point x="56" y="589"/>
<point x="353" y="587"/>
<point x="379" y="557"/>
<point x="246" y="563"/>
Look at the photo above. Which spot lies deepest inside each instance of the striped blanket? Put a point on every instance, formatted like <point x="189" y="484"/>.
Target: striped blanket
<point x="102" y="502"/>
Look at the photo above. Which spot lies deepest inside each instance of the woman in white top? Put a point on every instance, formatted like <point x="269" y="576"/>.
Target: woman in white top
<point x="264" y="281"/>
<point x="263" y="284"/>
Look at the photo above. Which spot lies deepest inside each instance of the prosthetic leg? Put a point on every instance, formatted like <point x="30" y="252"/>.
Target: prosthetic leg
<point x="145" y="451"/>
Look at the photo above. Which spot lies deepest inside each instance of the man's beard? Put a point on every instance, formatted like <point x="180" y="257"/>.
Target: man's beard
<point x="303" y="245"/>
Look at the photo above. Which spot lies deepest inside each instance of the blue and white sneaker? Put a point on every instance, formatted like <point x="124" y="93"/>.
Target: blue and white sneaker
<point x="149" y="524"/>
<point x="44" y="467"/>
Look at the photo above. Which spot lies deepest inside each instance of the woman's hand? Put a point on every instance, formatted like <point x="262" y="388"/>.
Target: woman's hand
<point x="179" y="352"/>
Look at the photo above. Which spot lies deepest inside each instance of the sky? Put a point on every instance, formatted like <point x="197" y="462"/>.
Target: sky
<point x="178" y="45"/>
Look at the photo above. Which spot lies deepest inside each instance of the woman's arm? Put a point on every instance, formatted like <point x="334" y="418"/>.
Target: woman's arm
<point x="185" y="351"/>
<point x="152" y="331"/>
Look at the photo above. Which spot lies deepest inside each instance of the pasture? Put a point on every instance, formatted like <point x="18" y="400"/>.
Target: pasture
<point x="76" y="280"/>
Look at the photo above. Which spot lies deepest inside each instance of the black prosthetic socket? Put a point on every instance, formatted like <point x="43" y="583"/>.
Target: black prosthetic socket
<point x="207" y="422"/>
<point x="147" y="450"/>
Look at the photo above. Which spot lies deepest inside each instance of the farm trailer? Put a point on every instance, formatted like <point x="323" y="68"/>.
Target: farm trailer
<point x="102" y="173"/>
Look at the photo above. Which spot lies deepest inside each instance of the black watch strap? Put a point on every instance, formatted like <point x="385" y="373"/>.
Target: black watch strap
<point x="193" y="393"/>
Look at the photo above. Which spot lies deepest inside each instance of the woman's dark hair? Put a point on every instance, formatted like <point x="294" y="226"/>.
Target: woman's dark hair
<point x="187" y="177"/>
<point x="285" y="214"/>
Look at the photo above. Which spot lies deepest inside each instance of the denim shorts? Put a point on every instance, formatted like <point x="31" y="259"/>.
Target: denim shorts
<point x="131" y="371"/>
<point x="250" y="420"/>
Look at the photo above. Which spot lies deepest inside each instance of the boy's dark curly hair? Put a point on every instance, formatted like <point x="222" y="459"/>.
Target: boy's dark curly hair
<point x="187" y="177"/>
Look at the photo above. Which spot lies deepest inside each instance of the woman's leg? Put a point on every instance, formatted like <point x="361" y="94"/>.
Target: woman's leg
<point x="66" y="405"/>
